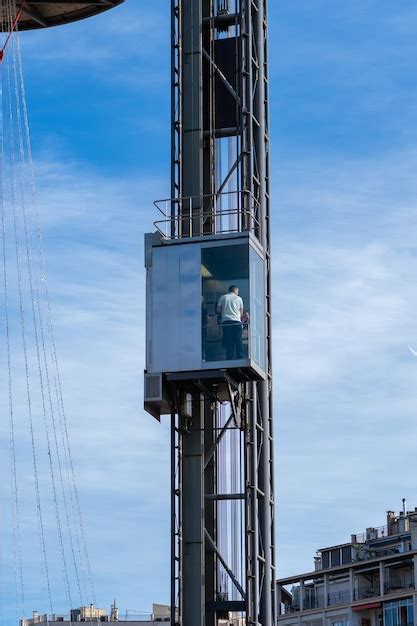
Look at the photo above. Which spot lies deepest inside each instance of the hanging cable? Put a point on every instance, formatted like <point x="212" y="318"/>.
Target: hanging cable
<point x="37" y="320"/>
<point x="24" y="346"/>
<point x="17" y="546"/>
<point x="44" y="404"/>
<point x="74" y="496"/>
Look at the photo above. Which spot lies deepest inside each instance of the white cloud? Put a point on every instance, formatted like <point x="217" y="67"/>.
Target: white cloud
<point x="122" y="46"/>
<point x="345" y="313"/>
<point x="93" y="231"/>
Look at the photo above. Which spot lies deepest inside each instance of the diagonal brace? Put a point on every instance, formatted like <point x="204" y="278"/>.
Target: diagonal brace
<point x="225" y="565"/>
<point x="221" y="76"/>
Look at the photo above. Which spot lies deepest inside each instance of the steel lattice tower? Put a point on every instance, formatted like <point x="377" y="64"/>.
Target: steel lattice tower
<point x="220" y="189"/>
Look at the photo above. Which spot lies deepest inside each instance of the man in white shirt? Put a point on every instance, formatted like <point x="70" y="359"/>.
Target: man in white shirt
<point x="230" y="307"/>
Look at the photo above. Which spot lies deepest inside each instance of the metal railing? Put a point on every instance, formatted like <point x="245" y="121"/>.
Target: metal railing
<point x="314" y="602"/>
<point x="311" y="601"/>
<point x="288" y="609"/>
<point x="399" y="582"/>
<point x="365" y="592"/>
<point x="371" y="534"/>
<point x="198" y="216"/>
<point x="339" y="597"/>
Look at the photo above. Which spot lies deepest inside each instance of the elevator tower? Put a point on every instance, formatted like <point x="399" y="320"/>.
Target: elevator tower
<point x="208" y="370"/>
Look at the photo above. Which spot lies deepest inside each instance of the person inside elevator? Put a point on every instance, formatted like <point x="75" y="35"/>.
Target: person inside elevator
<point x="230" y="308"/>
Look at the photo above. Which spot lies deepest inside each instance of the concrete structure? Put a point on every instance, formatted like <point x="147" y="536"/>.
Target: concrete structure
<point x="369" y="581"/>
<point x="92" y="615"/>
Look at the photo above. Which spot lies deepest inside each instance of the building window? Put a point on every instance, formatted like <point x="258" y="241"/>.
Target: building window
<point x="335" y="557"/>
<point x="347" y="554"/>
<point x="399" y="613"/>
<point x="340" y="621"/>
<point x="225" y="306"/>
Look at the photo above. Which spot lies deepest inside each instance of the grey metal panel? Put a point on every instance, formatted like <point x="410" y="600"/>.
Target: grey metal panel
<point x="175" y="309"/>
<point x="148" y="337"/>
<point x="257" y="309"/>
<point x="221" y="241"/>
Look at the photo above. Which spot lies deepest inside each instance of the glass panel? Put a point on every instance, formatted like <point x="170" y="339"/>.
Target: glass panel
<point x="346" y="555"/>
<point x="335" y="557"/>
<point x="410" y="612"/>
<point x="225" y="303"/>
<point x="403" y="616"/>
<point x="399" y="613"/>
<point x="325" y="560"/>
<point x="257" y="310"/>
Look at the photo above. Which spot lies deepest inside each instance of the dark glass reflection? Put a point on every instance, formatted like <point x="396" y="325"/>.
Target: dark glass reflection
<point x="225" y="303"/>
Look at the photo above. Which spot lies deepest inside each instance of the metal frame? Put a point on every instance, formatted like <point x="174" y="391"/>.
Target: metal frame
<point x="196" y="435"/>
<point x="47" y="13"/>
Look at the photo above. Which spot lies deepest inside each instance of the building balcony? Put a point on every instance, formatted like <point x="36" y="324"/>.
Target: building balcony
<point x="371" y="534"/>
<point x="338" y="597"/>
<point x="398" y="579"/>
<point x="314" y="601"/>
<point x="399" y="582"/>
<point x="363" y="593"/>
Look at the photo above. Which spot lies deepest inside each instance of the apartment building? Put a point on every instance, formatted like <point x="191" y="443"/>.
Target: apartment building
<point x="369" y="581"/>
<point x="94" y="616"/>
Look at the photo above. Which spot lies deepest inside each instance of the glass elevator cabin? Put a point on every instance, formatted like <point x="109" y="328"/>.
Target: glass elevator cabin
<point x="187" y="329"/>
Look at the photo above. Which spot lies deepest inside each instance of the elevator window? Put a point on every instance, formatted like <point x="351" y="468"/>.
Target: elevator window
<point x="225" y="303"/>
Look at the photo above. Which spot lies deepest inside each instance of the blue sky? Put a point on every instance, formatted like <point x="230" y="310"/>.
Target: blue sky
<point x="343" y="115"/>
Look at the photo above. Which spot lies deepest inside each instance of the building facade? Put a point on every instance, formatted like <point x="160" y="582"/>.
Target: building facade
<point x="369" y="581"/>
<point x="92" y="615"/>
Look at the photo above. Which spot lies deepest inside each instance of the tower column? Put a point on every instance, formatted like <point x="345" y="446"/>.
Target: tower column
<point x="193" y="561"/>
<point x="191" y="95"/>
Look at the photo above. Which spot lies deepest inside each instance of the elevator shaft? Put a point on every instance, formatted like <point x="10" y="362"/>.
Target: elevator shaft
<point x="222" y="424"/>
